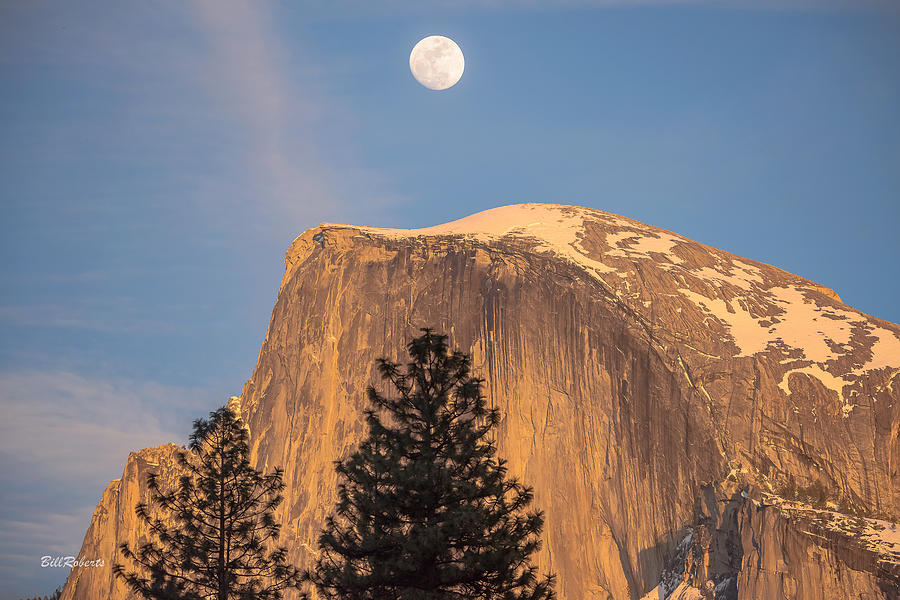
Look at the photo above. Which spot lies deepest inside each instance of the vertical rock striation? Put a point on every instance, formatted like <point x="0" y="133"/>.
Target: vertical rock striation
<point x="675" y="407"/>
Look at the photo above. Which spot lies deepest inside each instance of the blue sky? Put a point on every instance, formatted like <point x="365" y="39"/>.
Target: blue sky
<point x="158" y="159"/>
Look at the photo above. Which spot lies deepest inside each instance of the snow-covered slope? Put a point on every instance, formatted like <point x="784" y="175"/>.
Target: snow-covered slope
<point x="760" y="308"/>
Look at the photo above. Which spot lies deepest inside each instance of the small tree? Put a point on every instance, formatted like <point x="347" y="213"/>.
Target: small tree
<point x="212" y="535"/>
<point x="425" y="511"/>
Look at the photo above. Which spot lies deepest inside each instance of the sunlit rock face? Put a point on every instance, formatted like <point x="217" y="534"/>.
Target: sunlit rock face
<point x="657" y="393"/>
<point x="115" y="522"/>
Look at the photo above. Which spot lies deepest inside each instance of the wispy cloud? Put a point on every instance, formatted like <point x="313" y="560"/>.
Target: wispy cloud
<point x="250" y="71"/>
<point x="88" y="318"/>
<point x="235" y="119"/>
<point x="63" y="437"/>
<point x="52" y="535"/>
<point x="277" y="97"/>
<point x="63" y="426"/>
<point x="56" y="533"/>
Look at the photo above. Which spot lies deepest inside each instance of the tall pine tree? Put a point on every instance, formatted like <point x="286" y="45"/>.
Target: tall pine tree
<point x="212" y="532"/>
<point x="425" y="510"/>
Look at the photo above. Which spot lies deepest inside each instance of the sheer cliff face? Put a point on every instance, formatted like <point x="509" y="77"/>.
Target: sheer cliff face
<point x="636" y="371"/>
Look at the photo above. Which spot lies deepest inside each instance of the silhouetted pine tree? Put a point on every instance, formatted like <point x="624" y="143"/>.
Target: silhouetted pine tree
<point x="211" y="539"/>
<point x="425" y="510"/>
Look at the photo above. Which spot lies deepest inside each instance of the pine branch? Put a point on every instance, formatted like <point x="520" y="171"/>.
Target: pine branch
<point x="216" y="524"/>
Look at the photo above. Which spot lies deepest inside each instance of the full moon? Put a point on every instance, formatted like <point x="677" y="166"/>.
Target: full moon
<point x="436" y="62"/>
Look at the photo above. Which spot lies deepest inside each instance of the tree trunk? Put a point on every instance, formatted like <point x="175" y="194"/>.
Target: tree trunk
<point x="223" y="579"/>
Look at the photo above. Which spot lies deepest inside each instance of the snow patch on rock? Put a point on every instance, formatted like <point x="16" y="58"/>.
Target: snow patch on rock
<point x="827" y="379"/>
<point x="753" y="303"/>
<point x="749" y="336"/>
<point x="630" y="244"/>
<point x="743" y="276"/>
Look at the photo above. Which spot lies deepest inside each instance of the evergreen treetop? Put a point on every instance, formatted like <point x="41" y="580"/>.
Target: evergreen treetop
<point x="212" y="531"/>
<point x="425" y="510"/>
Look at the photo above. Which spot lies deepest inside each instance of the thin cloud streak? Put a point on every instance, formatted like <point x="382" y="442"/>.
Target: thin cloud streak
<point x="251" y="74"/>
<point x="290" y="125"/>
<point x="65" y="426"/>
<point x="50" y="534"/>
<point x="63" y="438"/>
<point x="94" y="318"/>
